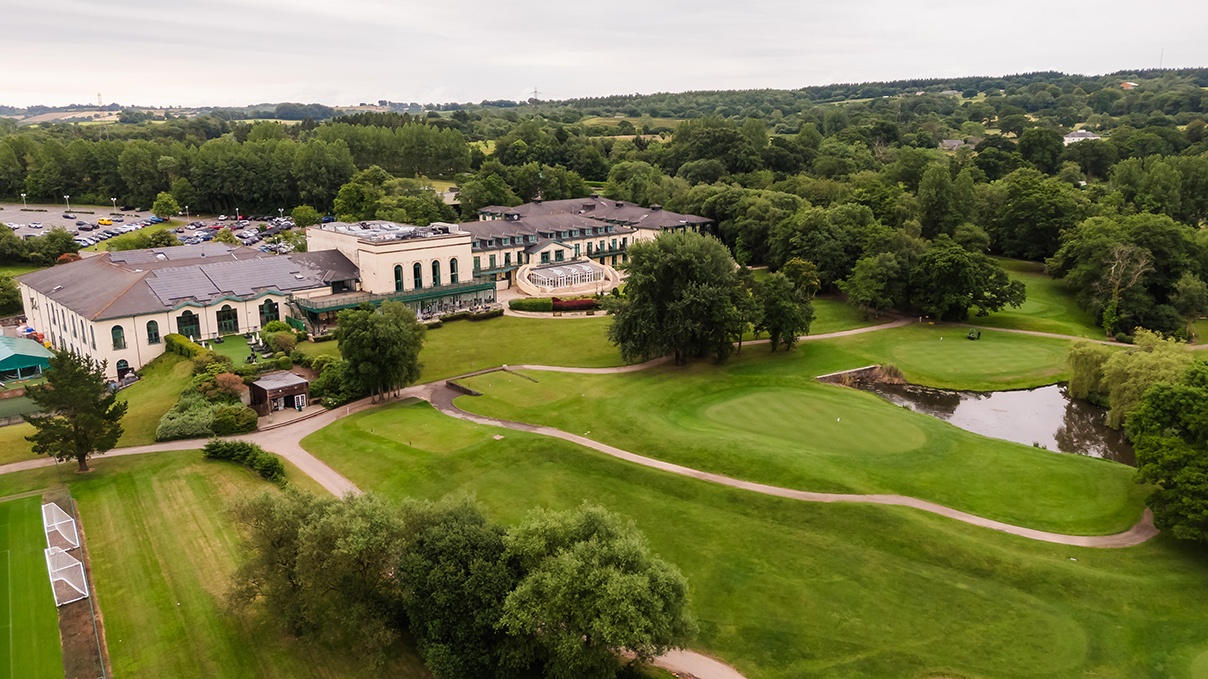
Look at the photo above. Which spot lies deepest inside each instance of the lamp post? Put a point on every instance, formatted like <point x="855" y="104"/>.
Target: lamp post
<point x="114" y="201"/>
<point x="68" y="199"/>
<point x="187" y="212"/>
<point x="281" y="212"/>
<point x="236" y="214"/>
<point x="23" y="205"/>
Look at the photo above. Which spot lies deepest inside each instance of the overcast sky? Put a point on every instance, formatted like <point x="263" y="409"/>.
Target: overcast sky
<point x="239" y="52"/>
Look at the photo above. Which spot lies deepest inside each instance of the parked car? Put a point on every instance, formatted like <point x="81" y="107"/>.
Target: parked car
<point x="222" y="218"/>
<point x="328" y="219"/>
<point x="35" y="225"/>
<point x="105" y="222"/>
<point x="68" y="216"/>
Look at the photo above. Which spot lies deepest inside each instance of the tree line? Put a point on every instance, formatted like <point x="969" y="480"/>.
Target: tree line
<point x="560" y="594"/>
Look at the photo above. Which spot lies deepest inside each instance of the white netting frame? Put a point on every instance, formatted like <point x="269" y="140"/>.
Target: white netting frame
<point x="58" y="522"/>
<point x="67" y="577"/>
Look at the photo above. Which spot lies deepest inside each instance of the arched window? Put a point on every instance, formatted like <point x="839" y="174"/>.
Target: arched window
<point x="435" y="273"/>
<point x="228" y="320"/>
<point x="418" y="272"/>
<point x="398" y="277"/>
<point x="152" y="332"/>
<point x="453" y="271"/>
<point x="119" y="337"/>
<point x="189" y="325"/>
<point x="269" y="312"/>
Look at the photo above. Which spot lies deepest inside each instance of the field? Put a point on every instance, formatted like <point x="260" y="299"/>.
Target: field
<point x="17" y="270"/>
<point x="162" y="552"/>
<point x="789" y="589"/>
<point x="29" y="622"/>
<point x="1050" y="306"/>
<point x="763" y="418"/>
<point x="637" y="122"/>
<point x="151" y="397"/>
<point x="465" y="346"/>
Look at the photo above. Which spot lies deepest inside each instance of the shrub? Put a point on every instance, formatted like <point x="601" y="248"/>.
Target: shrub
<point x="321" y="362"/>
<point x="203" y="361"/>
<point x="323" y="338"/>
<point x="283" y="342"/>
<point x="435" y="324"/>
<point x="493" y="313"/>
<point x="1123" y="338"/>
<point x="275" y="326"/>
<point x="250" y="455"/>
<point x="300" y="335"/>
<point x="333" y="385"/>
<point x="299" y="358"/>
<point x="284" y="363"/>
<point x="229" y="420"/>
<point x="575" y="304"/>
<point x="531" y="304"/>
<point x="179" y="344"/>
<point x="190" y="423"/>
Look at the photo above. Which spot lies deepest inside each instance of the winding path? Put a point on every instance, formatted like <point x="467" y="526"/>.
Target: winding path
<point x="286" y="441"/>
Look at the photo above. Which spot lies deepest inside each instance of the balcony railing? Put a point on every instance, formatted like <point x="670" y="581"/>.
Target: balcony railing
<point x="348" y="300"/>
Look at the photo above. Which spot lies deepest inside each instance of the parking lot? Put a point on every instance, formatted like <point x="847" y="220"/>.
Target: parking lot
<point x="88" y="224"/>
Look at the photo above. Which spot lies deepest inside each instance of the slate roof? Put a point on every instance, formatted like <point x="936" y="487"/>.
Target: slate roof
<point x="539" y="226"/>
<point x="135" y="282"/>
<point x="604" y="209"/>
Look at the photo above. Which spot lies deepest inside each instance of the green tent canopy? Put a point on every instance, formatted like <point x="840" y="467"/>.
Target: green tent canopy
<point x="22" y="358"/>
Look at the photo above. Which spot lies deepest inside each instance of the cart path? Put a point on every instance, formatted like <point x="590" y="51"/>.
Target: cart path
<point x="1037" y="333"/>
<point x="442" y="399"/>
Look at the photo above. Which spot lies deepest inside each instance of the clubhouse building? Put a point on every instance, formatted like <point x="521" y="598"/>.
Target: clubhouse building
<point x="117" y="306"/>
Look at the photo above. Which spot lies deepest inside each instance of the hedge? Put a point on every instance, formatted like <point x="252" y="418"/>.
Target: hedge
<point x="531" y="304"/>
<point x="323" y="338"/>
<point x="467" y="316"/>
<point x="276" y="326"/>
<point x="575" y="304"/>
<point x="229" y="420"/>
<point x="179" y="344"/>
<point x="248" y="454"/>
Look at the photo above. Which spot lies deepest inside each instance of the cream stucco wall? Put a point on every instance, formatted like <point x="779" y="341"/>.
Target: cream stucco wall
<point x="56" y="322"/>
<point x="377" y="259"/>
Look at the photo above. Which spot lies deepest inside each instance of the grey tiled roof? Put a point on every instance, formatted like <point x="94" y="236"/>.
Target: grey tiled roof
<point x="134" y="282"/>
<point x="596" y="207"/>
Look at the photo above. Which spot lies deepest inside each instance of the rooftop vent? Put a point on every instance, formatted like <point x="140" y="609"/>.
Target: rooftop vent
<point x="620" y="204"/>
<point x="656" y="207"/>
<point x="595" y="195"/>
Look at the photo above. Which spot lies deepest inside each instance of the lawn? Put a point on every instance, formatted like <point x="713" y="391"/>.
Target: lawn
<point x="148" y="399"/>
<point x="1050" y="306"/>
<point x="465" y="346"/>
<point x="790" y="589"/>
<point x="636" y="122"/>
<point x="29" y="622"/>
<point x="763" y="418"/>
<point x="162" y="554"/>
<point x="1200" y="330"/>
<point x="17" y="270"/>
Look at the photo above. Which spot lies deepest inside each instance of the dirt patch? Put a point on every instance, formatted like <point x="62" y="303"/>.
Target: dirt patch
<point x="85" y="654"/>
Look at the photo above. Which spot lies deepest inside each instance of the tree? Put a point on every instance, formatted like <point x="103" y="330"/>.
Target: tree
<point x="1190" y="299"/>
<point x="10" y="296"/>
<point x="786" y="315"/>
<point x="184" y="193"/>
<point x="79" y="415"/>
<point x="870" y="285"/>
<point x="1128" y="374"/>
<point x="949" y="279"/>
<point x="456" y="575"/>
<point x="935" y="198"/>
<point x="591" y="590"/>
<point x="305" y="215"/>
<point x="162" y="239"/>
<point x="225" y="235"/>
<point x="381" y="347"/>
<point x="1170" y="429"/>
<point x="1042" y="148"/>
<point x="679" y="297"/>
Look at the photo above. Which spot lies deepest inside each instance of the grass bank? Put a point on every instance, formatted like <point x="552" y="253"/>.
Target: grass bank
<point x="788" y="589"/>
<point x="763" y="418"/>
<point x="1050" y="306"/>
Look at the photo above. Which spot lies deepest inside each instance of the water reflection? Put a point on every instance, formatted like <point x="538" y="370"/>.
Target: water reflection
<point x="1047" y="415"/>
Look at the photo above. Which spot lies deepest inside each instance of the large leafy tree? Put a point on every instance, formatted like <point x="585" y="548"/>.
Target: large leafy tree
<point x="165" y="206"/>
<point x="948" y="280"/>
<point x="455" y="576"/>
<point x="870" y="288"/>
<point x="1170" y="429"/>
<point x="381" y="347"/>
<point x="591" y="590"/>
<point x="79" y="416"/>
<point x="679" y="298"/>
<point x="786" y="314"/>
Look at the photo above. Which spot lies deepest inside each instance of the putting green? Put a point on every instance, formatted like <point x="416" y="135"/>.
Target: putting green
<point x="796" y="416"/>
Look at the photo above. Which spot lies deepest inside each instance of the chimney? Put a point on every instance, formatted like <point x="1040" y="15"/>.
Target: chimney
<point x="620" y="204"/>
<point x="656" y="207"/>
<point x="595" y="195"/>
<point x="536" y="201"/>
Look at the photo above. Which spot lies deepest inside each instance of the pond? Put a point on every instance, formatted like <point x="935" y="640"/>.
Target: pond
<point x="1047" y="416"/>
